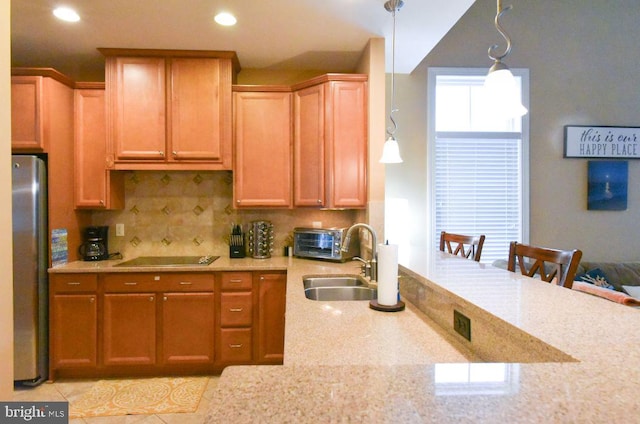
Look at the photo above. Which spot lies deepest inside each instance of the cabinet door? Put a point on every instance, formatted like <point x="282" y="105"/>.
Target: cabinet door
<point x="200" y="110"/>
<point x="272" y="301"/>
<point x="74" y="333"/>
<point x="262" y="137"/>
<point x="308" y="147"/>
<point x="347" y="140"/>
<point x="129" y="329"/>
<point x="27" y="113"/>
<point x="138" y="107"/>
<point x="95" y="187"/>
<point x="188" y="328"/>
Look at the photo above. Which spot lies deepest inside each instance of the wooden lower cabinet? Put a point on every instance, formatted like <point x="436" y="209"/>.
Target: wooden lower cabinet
<point x="73" y="321"/>
<point x="132" y="324"/>
<point x="75" y="335"/>
<point x="188" y="323"/>
<point x="129" y="334"/>
<point x="270" y="323"/>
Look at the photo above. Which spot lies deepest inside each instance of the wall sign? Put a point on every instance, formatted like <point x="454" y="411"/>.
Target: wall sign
<point x="601" y="142"/>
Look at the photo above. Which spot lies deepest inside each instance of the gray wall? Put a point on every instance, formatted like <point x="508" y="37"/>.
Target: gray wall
<point x="583" y="61"/>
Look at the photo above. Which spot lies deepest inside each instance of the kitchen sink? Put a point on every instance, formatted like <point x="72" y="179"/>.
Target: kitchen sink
<point x="337" y="287"/>
<point x="169" y="261"/>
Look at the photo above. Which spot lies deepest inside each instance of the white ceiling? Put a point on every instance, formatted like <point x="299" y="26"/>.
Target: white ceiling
<point x="326" y="35"/>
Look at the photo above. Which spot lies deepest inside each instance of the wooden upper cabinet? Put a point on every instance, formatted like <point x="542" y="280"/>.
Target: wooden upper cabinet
<point x="138" y="109"/>
<point x="200" y="110"/>
<point x="169" y="109"/>
<point x="95" y="186"/>
<point x="331" y="142"/>
<point x="262" y="141"/>
<point x="27" y="114"/>
<point x="346" y="137"/>
<point x="308" y="147"/>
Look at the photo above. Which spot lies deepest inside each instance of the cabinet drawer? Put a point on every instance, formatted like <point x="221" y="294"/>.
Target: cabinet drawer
<point x="236" y="309"/>
<point x="236" y="280"/>
<point x="74" y="283"/>
<point x="158" y="282"/>
<point x="235" y="345"/>
<point x="132" y="282"/>
<point x="187" y="282"/>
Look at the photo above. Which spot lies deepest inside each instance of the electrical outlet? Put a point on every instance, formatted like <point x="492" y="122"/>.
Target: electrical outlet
<point x="120" y="230"/>
<point x="462" y="325"/>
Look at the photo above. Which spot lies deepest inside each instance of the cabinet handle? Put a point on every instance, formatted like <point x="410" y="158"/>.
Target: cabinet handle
<point x="235" y="309"/>
<point x="237" y="280"/>
<point x="185" y="283"/>
<point x="73" y="283"/>
<point x="130" y="283"/>
<point x="235" y="346"/>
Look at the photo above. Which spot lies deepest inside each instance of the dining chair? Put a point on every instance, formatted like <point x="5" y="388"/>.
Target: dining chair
<point x="469" y="247"/>
<point x="551" y="265"/>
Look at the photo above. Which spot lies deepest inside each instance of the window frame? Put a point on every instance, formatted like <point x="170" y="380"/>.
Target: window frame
<point x="433" y="73"/>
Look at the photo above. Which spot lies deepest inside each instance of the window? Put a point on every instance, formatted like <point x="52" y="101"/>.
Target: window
<point x="479" y="163"/>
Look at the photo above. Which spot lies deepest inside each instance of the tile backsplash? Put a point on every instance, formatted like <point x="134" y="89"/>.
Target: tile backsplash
<point x="191" y="213"/>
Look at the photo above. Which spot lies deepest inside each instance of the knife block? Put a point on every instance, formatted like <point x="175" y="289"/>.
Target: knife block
<point x="237" y="247"/>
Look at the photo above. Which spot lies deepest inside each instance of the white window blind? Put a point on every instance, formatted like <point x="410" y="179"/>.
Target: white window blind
<point x="478" y="167"/>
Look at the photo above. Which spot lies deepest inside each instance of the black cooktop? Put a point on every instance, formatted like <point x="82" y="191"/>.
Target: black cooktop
<point x="169" y="261"/>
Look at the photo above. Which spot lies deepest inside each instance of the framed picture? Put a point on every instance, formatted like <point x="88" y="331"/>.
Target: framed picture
<point x="601" y="142"/>
<point x="607" y="185"/>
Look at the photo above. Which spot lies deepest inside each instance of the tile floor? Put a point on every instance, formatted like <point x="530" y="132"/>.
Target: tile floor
<point x="67" y="390"/>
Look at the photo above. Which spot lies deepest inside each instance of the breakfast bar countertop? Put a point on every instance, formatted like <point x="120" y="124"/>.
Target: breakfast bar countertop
<point x="345" y="362"/>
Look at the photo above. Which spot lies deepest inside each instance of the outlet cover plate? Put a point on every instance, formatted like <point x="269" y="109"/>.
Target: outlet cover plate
<point x="462" y="325"/>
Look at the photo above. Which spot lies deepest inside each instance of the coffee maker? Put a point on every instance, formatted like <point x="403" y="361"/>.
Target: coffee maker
<point x="95" y="245"/>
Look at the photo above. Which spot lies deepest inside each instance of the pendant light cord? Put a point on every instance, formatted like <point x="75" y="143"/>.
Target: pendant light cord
<point x="392" y="6"/>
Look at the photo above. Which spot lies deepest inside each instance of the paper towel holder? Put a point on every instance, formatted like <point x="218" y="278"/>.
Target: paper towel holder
<point x="373" y="304"/>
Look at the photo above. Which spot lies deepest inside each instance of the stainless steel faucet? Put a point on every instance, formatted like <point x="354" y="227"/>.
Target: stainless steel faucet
<point x="374" y="254"/>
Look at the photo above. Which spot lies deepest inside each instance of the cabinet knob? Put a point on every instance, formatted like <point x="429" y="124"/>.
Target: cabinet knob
<point x="161" y="153"/>
<point x="175" y="154"/>
<point x="319" y="201"/>
<point x="164" y="298"/>
<point x="92" y="299"/>
<point x="150" y="298"/>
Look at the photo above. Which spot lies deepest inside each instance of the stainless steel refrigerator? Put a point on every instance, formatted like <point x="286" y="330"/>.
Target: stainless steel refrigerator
<point x="30" y="261"/>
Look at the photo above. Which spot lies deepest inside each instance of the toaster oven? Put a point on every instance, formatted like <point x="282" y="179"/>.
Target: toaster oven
<point x="324" y="243"/>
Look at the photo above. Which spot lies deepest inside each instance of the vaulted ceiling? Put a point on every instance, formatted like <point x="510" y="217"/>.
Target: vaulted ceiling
<point x="324" y="35"/>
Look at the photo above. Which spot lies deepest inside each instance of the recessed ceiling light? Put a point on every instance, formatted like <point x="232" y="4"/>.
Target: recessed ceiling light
<point x="226" y="19"/>
<point x="66" y="14"/>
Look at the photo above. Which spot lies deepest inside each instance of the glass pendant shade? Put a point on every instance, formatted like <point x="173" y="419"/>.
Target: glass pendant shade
<point x="502" y="92"/>
<point x="390" y="151"/>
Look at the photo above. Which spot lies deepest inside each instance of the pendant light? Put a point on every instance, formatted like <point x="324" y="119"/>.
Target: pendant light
<point x="390" y="150"/>
<point x="500" y="85"/>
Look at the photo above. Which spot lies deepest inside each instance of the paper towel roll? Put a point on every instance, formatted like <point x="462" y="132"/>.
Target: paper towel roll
<point x="387" y="274"/>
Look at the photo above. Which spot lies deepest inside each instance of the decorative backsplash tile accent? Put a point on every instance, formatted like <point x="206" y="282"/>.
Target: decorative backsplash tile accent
<point x="191" y="213"/>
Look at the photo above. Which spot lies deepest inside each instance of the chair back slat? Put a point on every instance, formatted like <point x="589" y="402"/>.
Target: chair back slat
<point x="469" y="247"/>
<point x="550" y="265"/>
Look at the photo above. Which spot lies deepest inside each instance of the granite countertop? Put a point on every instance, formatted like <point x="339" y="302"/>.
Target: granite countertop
<point x="345" y="362"/>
